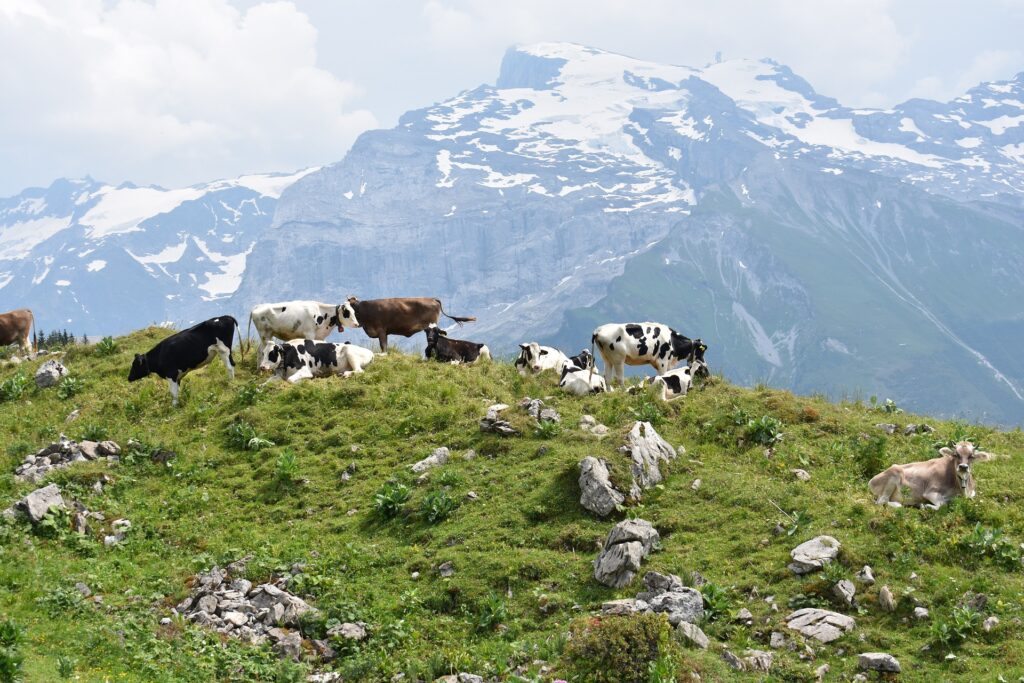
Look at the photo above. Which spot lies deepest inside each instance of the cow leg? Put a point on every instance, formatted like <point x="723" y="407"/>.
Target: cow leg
<point x="383" y="339"/>
<point x="935" y="500"/>
<point x="225" y="355"/>
<point x="887" y="490"/>
<point x="173" y="385"/>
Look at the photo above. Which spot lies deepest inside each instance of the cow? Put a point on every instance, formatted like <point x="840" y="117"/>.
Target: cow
<point x="405" y="316"/>
<point x="185" y="351"/>
<point x="535" y="359"/>
<point x="584" y="360"/>
<point x="931" y="483"/>
<point x="646" y="343"/>
<point x="581" y="382"/>
<point x="16" y="327"/>
<point x="441" y="348"/>
<point x="289" y="320"/>
<point x="301" y="359"/>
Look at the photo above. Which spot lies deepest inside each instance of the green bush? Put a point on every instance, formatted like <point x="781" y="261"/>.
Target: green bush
<point x="242" y="435"/>
<point x="437" y="506"/>
<point x="547" y="429"/>
<point x="12" y="388"/>
<point x="106" y="347"/>
<point x="390" y="498"/>
<point x="983" y="542"/>
<point x="717" y="601"/>
<point x="963" y="622"/>
<point x="286" y="468"/>
<point x="764" y="431"/>
<point x="491" y="613"/>
<point x="94" y="432"/>
<point x="869" y="454"/>
<point x="616" y="649"/>
<point x="68" y="387"/>
<point x="11" y="638"/>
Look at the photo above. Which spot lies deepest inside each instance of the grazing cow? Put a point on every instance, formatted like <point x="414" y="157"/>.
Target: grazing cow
<point x="184" y="351"/>
<point x="298" y="320"/>
<point x="535" y="359"/>
<point x="405" y="316"/>
<point x="16" y="328"/>
<point x="301" y="359"/>
<point x="581" y="382"/>
<point x="646" y="343"/>
<point x="931" y="483"/>
<point x="441" y="348"/>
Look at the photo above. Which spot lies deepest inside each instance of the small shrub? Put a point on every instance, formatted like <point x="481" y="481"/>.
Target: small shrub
<point x="869" y="455"/>
<point x="764" y="431"/>
<point x="961" y="432"/>
<point x="11" y="638"/>
<point x="437" y="506"/>
<point x="62" y="600"/>
<point x="983" y="542"/>
<point x="833" y="572"/>
<point x="388" y="501"/>
<point x="546" y="429"/>
<point x="647" y="410"/>
<point x="963" y="622"/>
<point x="69" y="387"/>
<point x="286" y="468"/>
<point x="717" y="601"/>
<point x="65" y="666"/>
<point x="617" y="649"/>
<point x="54" y="524"/>
<point x="449" y="478"/>
<point x="248" y="394"/>
<point x="106" y="347"/>
<point x="890" y="407"/>
<point x="663" y="670"/>
<point x="94" y="432"/>
<point x="242" y="435"/>
<point x="809" y="414"/>
<point x="12" y="388"/>
<point x="491" y="613"/>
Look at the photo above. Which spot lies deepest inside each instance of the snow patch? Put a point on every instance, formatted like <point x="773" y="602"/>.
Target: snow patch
<point x="95" y="266"/>
<point x="121" y="210"/>
<point x="19" y="239"/>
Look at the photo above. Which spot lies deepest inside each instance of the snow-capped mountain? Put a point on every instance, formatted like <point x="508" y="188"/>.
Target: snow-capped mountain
<point x="815" y="246"/>
<point x="96" y="258"/>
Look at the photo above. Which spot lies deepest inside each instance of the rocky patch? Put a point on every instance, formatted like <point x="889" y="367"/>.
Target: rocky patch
<point x="596" y="491"/>
<point x="628" y="543"/>
<point x="646" y="451"/>
<point x="820" y="624"/>
<point x="814" y="554"/>
<point x="438" y="457"/>
<point x="534" y="407"/>
<point x="492" y="422"/>
<point x="63" y="453"/>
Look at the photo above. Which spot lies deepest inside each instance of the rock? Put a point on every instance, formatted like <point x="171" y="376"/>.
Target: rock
<point x="323" y="650"/>
<point x="446" y="570"/>
<point x="600" y="431"/>
<point x="687" y="632"/>
<point x="920" y="613"/>
<point x="438" y="457"/>
<point x="236" y="618"/>
<point x="72" y="416"/>
<point x="819" y="673"/>
<point x="39" y="502"/>
<point x="208" y="604"/>
<point x="802" y="475"/>
<point x="734" y="661"/>
<point x="109" y="448"/>
<point x="472" y="495"/>
<point x="587" y="422"/>
<point x="243" y="586"/>
<point x="121" y="525"/>
<point x="657" y="583"/>
<point x="50" y="373"/>
<point x="878" y="661"/>
<point x="469" y="455"/>
<point x="744" y="616"/>
<point x="844" y="591"/>
<point x="162" y="457"/>
<point x="494" y="410"/>
<point x="777" y="640"/>
<point x="499" y="427"/>
<point x="349" y="631"/>
<point x="289" y="647"/>
<point x="888" y="428"/>
<point x="820" y="624"/>
<point x="646" y="451"/>
<point x="813" y="554"/>
<point x="974" y="601"/>
<point x="686" y="605"/>
<point x="886" y="600"/>
<point x="623" y="607"/>
<point x="469" y="678"/>
<point x="90" y="449"/>
<point x="596" y="491"/>
<point x="758" y="660"/>
<point x="414" y="576"/>
<point x="910" y="429"/>
<point x="627" y="544"/>
<point x="866" y="576"/>
<point x="695" y="486"/>
<point x="989" y="624"/>
<point x="166" y="621"/>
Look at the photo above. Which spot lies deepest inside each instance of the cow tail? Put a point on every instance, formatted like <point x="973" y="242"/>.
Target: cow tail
<point x="241" y="344"/>
<point x="593" y="359"/>
<point x="458" y="319"/>
<point x="33" y="342"/>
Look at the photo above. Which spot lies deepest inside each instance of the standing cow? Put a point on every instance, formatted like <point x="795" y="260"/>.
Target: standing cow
<point x="405" y="316"/>
<point x="185" y="351"/>
<point x="16" y="328"/>
<point x="647" y="343"/>
<point x="290" y="320"/>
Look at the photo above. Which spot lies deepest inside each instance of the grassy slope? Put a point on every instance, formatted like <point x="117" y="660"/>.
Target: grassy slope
<point x="526" y="536"/>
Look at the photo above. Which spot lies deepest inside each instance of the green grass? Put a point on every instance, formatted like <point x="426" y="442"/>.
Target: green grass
<point x="522" y="550"/>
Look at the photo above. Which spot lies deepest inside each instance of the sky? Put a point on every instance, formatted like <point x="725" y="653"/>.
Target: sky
<point x="177" y="92"/>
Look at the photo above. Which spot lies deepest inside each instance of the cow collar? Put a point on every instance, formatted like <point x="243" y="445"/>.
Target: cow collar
<point x="963" y="480"/>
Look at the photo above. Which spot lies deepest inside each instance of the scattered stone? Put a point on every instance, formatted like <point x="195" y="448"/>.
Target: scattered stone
<point x="913" y="576"/>
<point x="844" y="591"/>
<point x="596" y="491"/>
<point x="647" y="450"/>
<point x="83" y="589"/>
<point x="744" y="616"/>
<point x="820" y="624"/>
<point x="734" y="661"/>
<point x="685" y="604"/>
<point x="813" y="554"/>
<point x="910" y="429"/>
<point x="414" y="576"/>
<point x="802" y="475"/>
<point x="878" y="661"/>
<point x="491" y="423"/>
<point x="469" y="455"/>
<point x="446" y="570"/>
<point x="758" y="660"/>
<point x="623" y="607"/>
<point x="472" y="495"/>
<point x="289" y="646"/>
<point x="820" y="672"/>
<point x="777" y="640"/>
<point x="600" y="431"/>
<point x="693" y="634"/>
<point x="866" y="576"/>
<point x="974" y="601"/>
<point x="355" y="631"/>
<point x="886" y="600"/>
<point x="697" y="579"/>
<point x="535" y="408"/>
<point x="60" y="454"/>
<point x="920" y="613"/>
<point x="989" y="624"/>
<point x="627" y="544"/>
<point x="161" y="456"/>
<point x="695" y="486"/>
<point x="587" y="422"/>
<point x="165" y="621"/>
<point x="39" y="502"/>
<point x="50" y="373"/>
<point x="72" y="416"/>
<point x="888" y="427"/>
<point x="494" y="410"/>
<point x="438" y="457"/>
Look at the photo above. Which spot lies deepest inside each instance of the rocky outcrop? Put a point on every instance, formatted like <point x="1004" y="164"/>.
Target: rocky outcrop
<point x="814" y="554"/>
<point x="820" y="624"/>
<point x="878" y="661"/>
<point x="36" y="504"/>
<point x="646" y="452"/>
<point x="493" y="423"/>
<point x="534" y="407"/>
<point x="596" y="491"/>
<point x="50" y="373"/>
<point x="438" y="457"/>
<point x="63" y="453"/>
<point x="628" y="543"/>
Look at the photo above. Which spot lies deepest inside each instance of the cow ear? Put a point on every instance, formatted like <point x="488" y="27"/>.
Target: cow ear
<point x="983" y="455"/>
<point x="524" y="346"/>
<point x="948" y="452"/>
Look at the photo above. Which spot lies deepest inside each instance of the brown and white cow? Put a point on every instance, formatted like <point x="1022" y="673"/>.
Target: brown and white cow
<point x="16" y="328"/>
<point x="930" y="483"/>
<point x="404" y="315"/>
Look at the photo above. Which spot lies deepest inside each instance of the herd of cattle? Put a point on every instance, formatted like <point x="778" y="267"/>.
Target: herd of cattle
<point x="291" y="345"/>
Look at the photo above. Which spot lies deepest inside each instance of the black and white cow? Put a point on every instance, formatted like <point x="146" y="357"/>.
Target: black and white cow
<point x="184" y="351"/>
<point x="441" y="348"/>
<point x="646" y="343"/>
<point x="580" y="382"/>
<point x="301" y="359"/>
<point x="535" y="359"/>
<point x="290" y="320"/>
<point x="674" y="383"/>
<point x="584" y="360"/>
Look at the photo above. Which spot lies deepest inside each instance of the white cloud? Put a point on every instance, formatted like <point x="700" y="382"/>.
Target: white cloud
<point x="165" y="91"/>
<point x="987" y="65"/>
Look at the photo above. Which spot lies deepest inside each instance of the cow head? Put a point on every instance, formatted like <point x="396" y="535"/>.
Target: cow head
<point x="140" y="367"/>
<point x="273" y="357"/>
<point x="584" y="359"/>
<point x="963" y="455"/>
<point x="523" y="361"/>
<point x="345" y="315"/>
<point x="434" y="333"/>
<point x="529" y="357"/>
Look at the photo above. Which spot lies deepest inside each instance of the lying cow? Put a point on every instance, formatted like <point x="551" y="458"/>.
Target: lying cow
<point x="298" y="320"/>
<point x="581" y="382"/>
<point x="301" y="359"/>
<point x="184" y="351"/>
<point x="441" y="348"/>
<point x="931" y="483"/>
<point x="584" y="360"/>
<point x="535" y="359"/>
<point x="647" y="343"/>
<point x="674" y="383"/>
<point x="405" y="316"/>
<point x="16" y="328"/>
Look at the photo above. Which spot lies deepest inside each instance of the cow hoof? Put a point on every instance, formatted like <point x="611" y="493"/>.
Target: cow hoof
<point x="894" y="504"/>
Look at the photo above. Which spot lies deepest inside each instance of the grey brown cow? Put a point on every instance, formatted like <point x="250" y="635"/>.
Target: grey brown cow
<point x="16" y="328"/>
<point x="404" y="315"/>
<point x="930" y="483"/>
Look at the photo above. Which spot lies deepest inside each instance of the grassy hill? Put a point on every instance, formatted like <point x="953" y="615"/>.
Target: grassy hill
<point x="522" y="550"/>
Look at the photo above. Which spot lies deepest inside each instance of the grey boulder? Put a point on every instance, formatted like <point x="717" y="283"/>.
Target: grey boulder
<point x="628" y="543"/>
<point x="39" y="502"/>
<point x="820" y="624"/>
<point x="596" y="491"/>
<point x="49" y="373"/>
<point x="878" y="661"/>
<point x="813" y="554"/>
